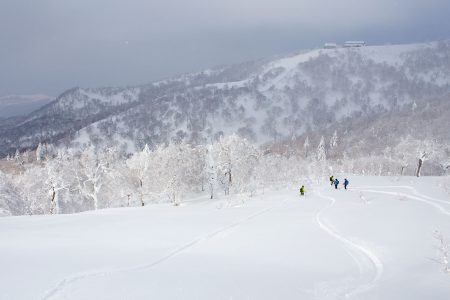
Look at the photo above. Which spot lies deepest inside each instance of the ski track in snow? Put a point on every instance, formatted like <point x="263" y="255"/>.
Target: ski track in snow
<point x="418" y="197"/>
<point x="59" y="288"/>
<point x="405" y="187"/>
<point x="356" y="249"/>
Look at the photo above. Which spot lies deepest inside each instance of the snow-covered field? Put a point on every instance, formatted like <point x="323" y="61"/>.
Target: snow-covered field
<point x="376" y="240"/>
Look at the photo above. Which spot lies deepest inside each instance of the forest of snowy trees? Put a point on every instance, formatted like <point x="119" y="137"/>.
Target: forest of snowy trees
<point x="51" y="180"/>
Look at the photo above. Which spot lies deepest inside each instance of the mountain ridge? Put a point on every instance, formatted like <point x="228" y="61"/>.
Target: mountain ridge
<point x="264" y="101"/>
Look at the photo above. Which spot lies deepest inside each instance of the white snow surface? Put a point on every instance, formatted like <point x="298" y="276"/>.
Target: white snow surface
<point x="372" y="241"/>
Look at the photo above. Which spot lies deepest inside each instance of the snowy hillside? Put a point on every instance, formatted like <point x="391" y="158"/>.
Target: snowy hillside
<point x="383" y="238"/>
<point x="263" y="101"/>
<point x="71" y="111"/>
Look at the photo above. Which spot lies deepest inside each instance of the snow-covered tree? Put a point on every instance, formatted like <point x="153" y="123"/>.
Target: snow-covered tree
<point x="139" y="164"/>
<point x="174" y="171"/>
<point x="11" y="202"/>
<point x="306" y="146"/>
<point x="403" y="163"/>
<point x="211" y="172"/>
<point x="320" y="153"/>
<point x="178" y="171"/>
<point x="195" y="174"/>
<point x="267" y="171"/>
<point x="235" y="160"/>
<point x="55" y="182"/>
<point x="34" y="190"/>
<point x="444" y="159"/>
<point x="91" y="174"/>
<point x="425" y="151"/>
<point x="39" y="152"/>
<point x="334" y="140"/>
<point x="202" y="153"/>
<point x="18" y="157"/>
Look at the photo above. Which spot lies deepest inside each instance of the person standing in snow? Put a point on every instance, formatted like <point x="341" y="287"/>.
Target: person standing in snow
<point x="346" y="183"/>
<point x="336" y="183"/>
<point x="302" y="190"/>
<point x="332" y="180"/>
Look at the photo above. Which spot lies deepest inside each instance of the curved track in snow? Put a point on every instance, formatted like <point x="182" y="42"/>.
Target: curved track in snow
<point x="421" y="198"/>
<point x="415" y="192"/>
<point x="62" y="284"/>
<point x="356" y="251"/>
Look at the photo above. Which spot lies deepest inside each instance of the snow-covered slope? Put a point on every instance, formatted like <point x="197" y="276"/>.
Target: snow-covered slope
<point x="263" y="101"/>
<point x="70" y="112"/>
<point x="284" y="97"/>
<point x="376" y="240"/>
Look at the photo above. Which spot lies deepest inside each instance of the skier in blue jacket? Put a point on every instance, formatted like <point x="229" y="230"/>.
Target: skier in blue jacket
<point x="346" y="183"/>
<point x="336" y="183"/>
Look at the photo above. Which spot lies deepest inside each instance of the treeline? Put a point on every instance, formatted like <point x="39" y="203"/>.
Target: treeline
<point x="51" y="180"/>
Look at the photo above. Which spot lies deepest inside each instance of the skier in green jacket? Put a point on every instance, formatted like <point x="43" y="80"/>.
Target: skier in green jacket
<point x="332" y="179"/>
<point x="302" y="190"/>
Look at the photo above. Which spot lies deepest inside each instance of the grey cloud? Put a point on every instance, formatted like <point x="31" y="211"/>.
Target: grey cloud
<point x="51" y="45"/>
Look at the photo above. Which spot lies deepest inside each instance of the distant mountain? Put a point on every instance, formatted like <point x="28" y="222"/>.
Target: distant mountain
<point x="265" y="101"/>
<point x="18" y="105"/>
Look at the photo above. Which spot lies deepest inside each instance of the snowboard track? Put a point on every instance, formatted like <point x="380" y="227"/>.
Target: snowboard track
<point x="355" y="250"/>
<point x="67" y="281"/>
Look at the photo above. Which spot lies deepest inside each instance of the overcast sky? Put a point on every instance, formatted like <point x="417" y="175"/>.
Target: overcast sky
<point x="48" y="46"/>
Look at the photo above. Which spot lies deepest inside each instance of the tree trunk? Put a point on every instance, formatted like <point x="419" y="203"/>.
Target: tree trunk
<point x="211" y="189"/>
<point x="95" y="198"/>
<point x="53" y="204"/>
<point x="228" y="176"/>
<point x="419" y="167"/>
<point x="141" y="194"/>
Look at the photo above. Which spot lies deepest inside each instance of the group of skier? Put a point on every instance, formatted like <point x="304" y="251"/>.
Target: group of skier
<point x="333" y="181"/>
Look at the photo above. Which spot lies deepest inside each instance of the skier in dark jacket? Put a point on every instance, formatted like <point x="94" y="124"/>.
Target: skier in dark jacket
<point x="336" y="183"/>
<point x="346" y="183"/>
<point x="302" y="190"/>
<point x="332" y="180"/>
